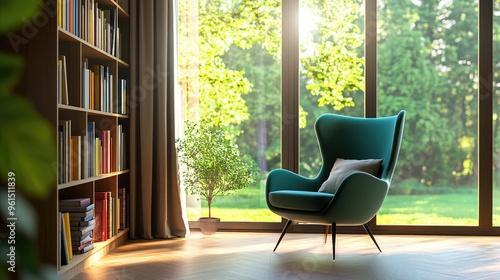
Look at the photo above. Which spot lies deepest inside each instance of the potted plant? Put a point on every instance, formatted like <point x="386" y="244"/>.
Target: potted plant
<point x="213" y="167"/>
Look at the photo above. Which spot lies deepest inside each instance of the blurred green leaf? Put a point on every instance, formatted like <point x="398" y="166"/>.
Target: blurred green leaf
<point x="27" y="146"/>
<point x="9" y="71"/>
<point x="42" y="272"/>
<point x="14" y="13"/>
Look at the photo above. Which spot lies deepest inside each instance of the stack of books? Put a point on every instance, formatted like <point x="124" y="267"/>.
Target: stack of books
<point x="80" y="213"/>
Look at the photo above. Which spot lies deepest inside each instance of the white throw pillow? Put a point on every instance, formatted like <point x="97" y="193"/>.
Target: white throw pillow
<point x="343" y="167"/>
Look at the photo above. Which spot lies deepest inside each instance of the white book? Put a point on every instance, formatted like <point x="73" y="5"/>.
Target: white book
<point x="86" y="89"/>
<point x="59" y="81"/>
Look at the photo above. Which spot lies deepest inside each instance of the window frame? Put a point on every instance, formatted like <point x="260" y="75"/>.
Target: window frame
<point x="290" y="120"/>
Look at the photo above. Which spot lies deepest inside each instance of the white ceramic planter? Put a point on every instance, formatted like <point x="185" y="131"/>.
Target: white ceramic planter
<point x="208" y="226"/>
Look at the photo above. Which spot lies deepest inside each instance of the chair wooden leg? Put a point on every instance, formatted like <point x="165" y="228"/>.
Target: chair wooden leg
<point x="327" y="227"/>
<point x="288" y="223"/>
<point x="369" y="231"/>
<point x="334" y="238"/>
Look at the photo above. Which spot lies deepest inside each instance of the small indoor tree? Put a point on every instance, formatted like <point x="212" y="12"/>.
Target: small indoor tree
<point x="213" y="164"/>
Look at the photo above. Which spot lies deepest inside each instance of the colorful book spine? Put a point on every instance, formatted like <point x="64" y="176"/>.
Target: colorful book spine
<point x="122" y="194"/>
<point x="67" y="234"/>
<point x="64" y="248"/>
<point x="101" y="226"/>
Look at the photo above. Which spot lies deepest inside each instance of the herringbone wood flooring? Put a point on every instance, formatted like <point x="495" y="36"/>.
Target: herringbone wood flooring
<point x="246" y="255"/>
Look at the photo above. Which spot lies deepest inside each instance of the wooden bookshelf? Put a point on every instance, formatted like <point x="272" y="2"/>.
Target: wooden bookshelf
<point x="41" y="84"/>
<point x="81" y="262"/>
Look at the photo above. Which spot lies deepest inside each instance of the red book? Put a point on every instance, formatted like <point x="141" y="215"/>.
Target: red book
<point x="108" y="151"/>
<point x="70" y="13"/>
<point x="101" y="216"/>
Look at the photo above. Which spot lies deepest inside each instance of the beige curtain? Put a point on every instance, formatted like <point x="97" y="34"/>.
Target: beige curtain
<point x="157" y="201"/>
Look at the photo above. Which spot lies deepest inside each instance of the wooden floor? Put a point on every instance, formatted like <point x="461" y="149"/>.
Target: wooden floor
<point x="244" y="255"/>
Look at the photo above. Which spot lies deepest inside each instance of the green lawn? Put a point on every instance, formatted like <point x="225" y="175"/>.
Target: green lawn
<point x="440" y="209"/>
<point x="460" y="208"/>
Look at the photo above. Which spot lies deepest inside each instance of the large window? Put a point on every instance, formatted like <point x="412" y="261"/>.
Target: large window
<point x="230" y="73"/>
<point x="428" y="65"/>
<point x="496" y="114"/>
<point x="360" y="58"/>
<point x="331" y="69"/>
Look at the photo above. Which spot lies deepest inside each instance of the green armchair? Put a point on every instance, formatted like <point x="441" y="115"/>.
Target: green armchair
<point x="359" y="156"/>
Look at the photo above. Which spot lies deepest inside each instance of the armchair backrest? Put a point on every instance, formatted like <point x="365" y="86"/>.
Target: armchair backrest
<point x="360" y="138"/>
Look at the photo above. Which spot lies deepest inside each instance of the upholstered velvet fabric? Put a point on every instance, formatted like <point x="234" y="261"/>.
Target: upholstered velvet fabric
<point x="300" y="200"/>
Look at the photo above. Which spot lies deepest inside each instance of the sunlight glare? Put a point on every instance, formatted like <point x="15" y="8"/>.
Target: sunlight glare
<point x="308" y="22"/>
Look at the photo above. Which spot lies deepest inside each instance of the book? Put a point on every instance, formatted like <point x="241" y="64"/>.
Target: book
<point x="59" y="81"/>
<point x="98" y="86"/>
<point x="111" y="107"/>
<point x="91" y="22"/>
<point x="82" y="231"/>
<point x="64" y="81"/>
<point x="116" y="220"/>
<point x="64" y="157"/>
<point x="70" y="16"/>
<point x="104" y="137"/>
<point x="87" y="248"/>
<point x="107" y="152"/>
<point x="85" y="157"/>
<point x="76" y="155"/>
<point x="110" y="215"/>
<point x="118" y="148"/>
<point x="101" y="214"/>
<point x="78" y="19"/>
<point x="82" y="240"/>
<point x="89" y="213"/>
<point x="60" y="14"/>
<point x="60" y="154"/>
<point x="105" y="92"/>
<point x="82" y="246"/>
<point x="92" y="89"/>
<point x="74" y="202"/>
<point x="64" y="248"/>
<point x="97" y="156"/>
<point x="80" y="219"/>
<point x="124" y="97"/>
<point x="85" y="86"/>
<point x="77" y="209"/>
<point x="91" y="148"/>
<point x="82" y="223"/>
<point x="81" y="228"/>
<point x="67" y="233"/>
<point x="122" y="195"/>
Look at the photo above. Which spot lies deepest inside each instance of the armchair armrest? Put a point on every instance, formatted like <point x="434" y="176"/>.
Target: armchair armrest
<point x="282" y="179"/>
<point x="358" y="198"/>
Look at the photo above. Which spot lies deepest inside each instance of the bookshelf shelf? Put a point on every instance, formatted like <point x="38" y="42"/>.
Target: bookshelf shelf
<point x="89" y="50"/>
<point x="76" y="77"/>
<point x="63" y="107"/>
<point x="80" y="262"/>
<point x="90" y="180"/>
